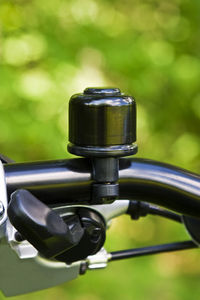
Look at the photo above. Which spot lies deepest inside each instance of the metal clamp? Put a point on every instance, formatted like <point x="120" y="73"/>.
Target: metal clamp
<point x="3" y="199"/>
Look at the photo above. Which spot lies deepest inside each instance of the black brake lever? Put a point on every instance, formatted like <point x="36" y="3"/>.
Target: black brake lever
<point x="67" y="239"/>
<point x="42" y="226"/>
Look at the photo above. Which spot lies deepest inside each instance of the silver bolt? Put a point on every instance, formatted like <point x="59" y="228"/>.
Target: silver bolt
<point x="1" y="209"/>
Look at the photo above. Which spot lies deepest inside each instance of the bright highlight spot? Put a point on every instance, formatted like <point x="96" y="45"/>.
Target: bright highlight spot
<point x="35" y="84"/>
<point x="21" y="50"/>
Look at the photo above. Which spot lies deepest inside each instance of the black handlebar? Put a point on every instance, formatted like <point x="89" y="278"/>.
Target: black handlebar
<point x="69" y="181"/>
<point x="162" y="184"/>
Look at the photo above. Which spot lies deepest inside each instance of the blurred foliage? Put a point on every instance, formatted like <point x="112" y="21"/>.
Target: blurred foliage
<point x="50" y="49"/>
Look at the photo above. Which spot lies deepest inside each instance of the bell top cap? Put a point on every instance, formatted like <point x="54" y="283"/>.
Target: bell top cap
<point x="102" y="91"/>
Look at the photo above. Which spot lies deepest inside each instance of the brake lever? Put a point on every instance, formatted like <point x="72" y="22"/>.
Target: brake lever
<point x="43" y="227"/>
<point x="23" y="270"/>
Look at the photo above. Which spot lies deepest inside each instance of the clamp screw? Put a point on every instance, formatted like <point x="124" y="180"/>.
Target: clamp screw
<point x="96" y="234"/>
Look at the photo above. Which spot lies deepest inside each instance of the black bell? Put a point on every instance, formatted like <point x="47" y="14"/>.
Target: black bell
<point x="102" y="123"/>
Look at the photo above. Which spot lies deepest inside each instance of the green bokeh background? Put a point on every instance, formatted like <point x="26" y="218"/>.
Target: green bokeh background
<point x="50" y="49"/>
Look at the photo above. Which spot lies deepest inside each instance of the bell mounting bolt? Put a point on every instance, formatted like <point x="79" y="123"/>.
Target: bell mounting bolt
<point x="102" y="126"/>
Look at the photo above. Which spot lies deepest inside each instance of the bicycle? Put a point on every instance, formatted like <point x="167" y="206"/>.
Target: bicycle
<point x="54" y="214"/>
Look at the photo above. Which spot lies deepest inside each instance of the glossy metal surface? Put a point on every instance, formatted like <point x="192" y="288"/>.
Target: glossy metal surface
<point x="27" y="272"/>
<point x="3" y="199"/>
<point x="107" y="212"/>
<point x="162" y="184"/>
<point x="60" y="181"/>
<point x="69" y="181"/>
<point x="102" y="117"/>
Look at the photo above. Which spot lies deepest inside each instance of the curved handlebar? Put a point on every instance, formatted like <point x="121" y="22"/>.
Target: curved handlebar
<point x="162" y="184"/>
<point x="69" y="181"/>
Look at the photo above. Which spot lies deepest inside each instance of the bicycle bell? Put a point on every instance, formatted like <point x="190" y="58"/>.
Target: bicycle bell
<point x="102" y="126"/>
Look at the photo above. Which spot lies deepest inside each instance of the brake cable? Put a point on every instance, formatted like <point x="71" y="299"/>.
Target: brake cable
<point x="130" y="253"/>
<point x="139" y="209"/>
